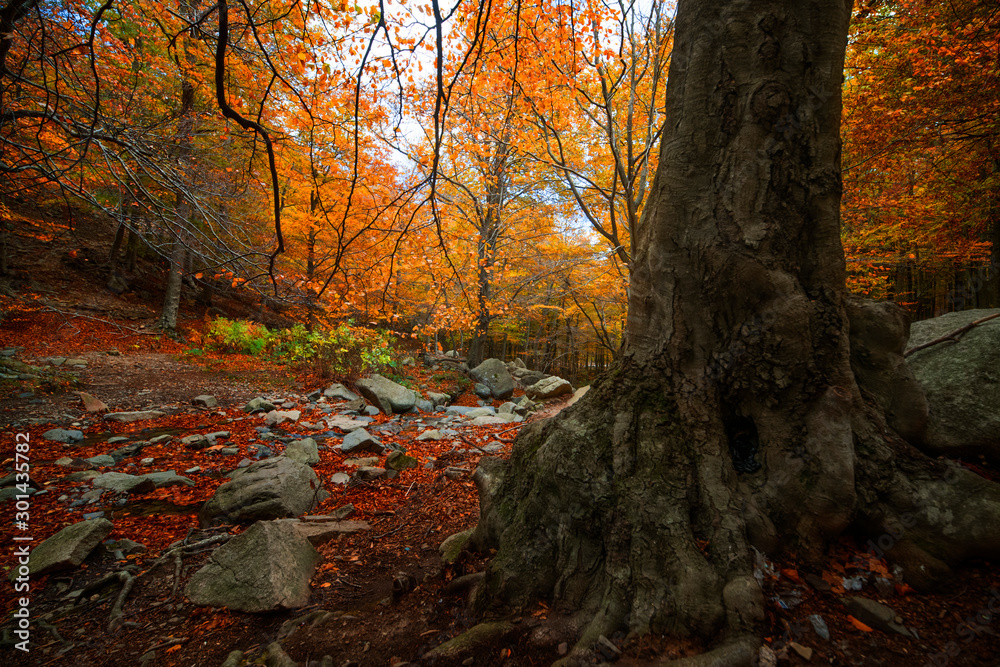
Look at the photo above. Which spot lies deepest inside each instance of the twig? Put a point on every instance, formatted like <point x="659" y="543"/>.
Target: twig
<point x="953" y="336"/>
<point x="170" y="642"/>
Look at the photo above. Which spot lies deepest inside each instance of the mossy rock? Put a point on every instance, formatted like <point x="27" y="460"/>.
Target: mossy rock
<point x="453" y="546"/>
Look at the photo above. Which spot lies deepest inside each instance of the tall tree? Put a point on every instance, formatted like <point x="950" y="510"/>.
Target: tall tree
<point x="734" y="418"/>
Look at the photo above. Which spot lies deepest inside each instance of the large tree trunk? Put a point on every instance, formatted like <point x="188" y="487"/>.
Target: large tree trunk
<point x="733" y="418"/>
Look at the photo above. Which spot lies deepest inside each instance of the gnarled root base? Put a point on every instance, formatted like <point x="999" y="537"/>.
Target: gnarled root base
<point x="626" y="510"/>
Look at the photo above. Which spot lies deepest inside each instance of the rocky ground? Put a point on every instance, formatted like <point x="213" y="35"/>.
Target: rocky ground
<point x="377" y="588"/>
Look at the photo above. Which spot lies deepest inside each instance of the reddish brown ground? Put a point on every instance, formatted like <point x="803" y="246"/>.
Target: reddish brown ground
<point x="409" y="517"/>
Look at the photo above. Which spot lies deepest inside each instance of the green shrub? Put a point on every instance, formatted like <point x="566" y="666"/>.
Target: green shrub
<point x="345" y="350"/>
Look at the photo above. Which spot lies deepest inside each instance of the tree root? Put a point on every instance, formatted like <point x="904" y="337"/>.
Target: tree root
<point x="738" y="653"/>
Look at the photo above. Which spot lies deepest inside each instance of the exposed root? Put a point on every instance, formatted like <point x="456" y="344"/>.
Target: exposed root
<point x="738" y="653"/>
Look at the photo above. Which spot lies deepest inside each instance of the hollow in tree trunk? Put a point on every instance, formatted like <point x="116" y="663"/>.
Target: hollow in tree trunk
<point x="734" y="418"/>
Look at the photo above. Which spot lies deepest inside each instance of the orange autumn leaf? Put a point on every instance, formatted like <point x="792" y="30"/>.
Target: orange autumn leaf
<point x="858" y="624"/>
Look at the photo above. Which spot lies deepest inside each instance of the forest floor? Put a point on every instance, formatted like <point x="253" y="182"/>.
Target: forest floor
<point x="65" y="311"/>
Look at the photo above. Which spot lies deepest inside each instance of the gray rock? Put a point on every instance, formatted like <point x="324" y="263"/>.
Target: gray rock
<point x="341" y="478"/>
<point x="387" y="395"/>
<point x="481" y="390"/>
<point x="507" y="408"/>
<point x="529" y="378"/>
<point x="398" y="460"/>
<point x="369" y="473"/>
<point x="961" y="381"/>
<point x="275" y="417"/>
<point x="303" y="451"/>
<point x="423" y="405"/>
<point x="359" y="441"/>
<point x="340" y="392"/>
<point x="876" y="615"/>
<point x="120" y="482"/>
<point x="518" y="363"/>
<point x="550" y="387"/>
<point x="493" y="373"/>
<point x="100" y="461"/>
<point x="453" y="545"/>
<point x="372" y="411"/>
<point x="268" y="567"/>
<point x="258" y="405"/>
<point x="127" y="417"/>
<point x="480" y="412"/>
<point x="63" y="435"/>
<point x="196" y="441"/>
<point x="320" y="529"/>
<point x="438" y="399"/>
<point x="168" y="478"/>
<point x="68" y="548"/>
<point x="363" y="461"/>
<point x="126" y="546"/>
<point x="205" y="401"/>
<point x="432" y="434"/>
<point x="274" y="488"/>
<point x="488" y="420"/>
<point x="459" y="410"/>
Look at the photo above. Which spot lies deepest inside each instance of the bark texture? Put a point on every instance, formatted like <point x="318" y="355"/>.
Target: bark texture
<point x="734" y="419"/>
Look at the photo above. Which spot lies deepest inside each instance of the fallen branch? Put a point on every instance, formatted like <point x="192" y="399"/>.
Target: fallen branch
<point x="952" y="336"/>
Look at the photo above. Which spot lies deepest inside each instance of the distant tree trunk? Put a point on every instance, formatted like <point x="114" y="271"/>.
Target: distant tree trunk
<point x="734" y="418"/>
<point x="172" y="297"/>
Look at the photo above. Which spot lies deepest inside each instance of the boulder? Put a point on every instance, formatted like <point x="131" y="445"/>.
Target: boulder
<point x="205" y="401"/>
<point x="482" y="391"/>
<point x="493" y="373"/>
<point x="360" y="441"/>
<point x="549" y="387"/>
<point x="438" y="399"/>
<point x="68" y="548"/>
<point x="398" y="460"/>
<point x="266" y="568"/>
<point x="273" y="488"/>
<point x="961" y="381"/>
<point x="320" y="529"/>
<point x="275" y="417"/>
<point x="63" y="435"/>
<point x="387" y="395"/>
<point x="258" y="405"/>
<point x="488" y="420"/>
<point x="528" y="378"/>
<point x="126" y="417"/>
<point x="345" y="424"/>
<point x="303" y="451"/>
<point x="196" y="441"/>
<point x="120" y="482"/>
<point x="340" y="392"/>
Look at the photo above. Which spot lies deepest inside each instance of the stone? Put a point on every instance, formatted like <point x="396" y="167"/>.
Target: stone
<point x="341" y="478"/>
<point x="68" y="548"/>
<point x="387" y="395"/>
<point x="438" y="398"/>
<point x="275" y="417"/>
<point x="303" y="451"/>
<point x="423" y="405"/>
<point x="364" y="461"/>
<point x="273" y="488"/>
<point x="804" y="652"/>
<point x="91" y="403"/>
<point x="129" y="450"/>
<point x="340" y="392"/>
<point x="507" y="408"/>
<point x="255" y="405"/>
<point x="398" y="460"/>
<point x="128" y="417"/>
<point x="494" y="374"/>
<point x="76" y="362"/>
<point x="369" y="473"/>
<point x="120" y="482"/>
<point x="266" y="568"/>
<point x="320" y="529"/>
<point x="63" y="435"/>
<point x="432" y="434"/>
<point x="481" y="390"/>
<point x="168" y="478"/>
<point x="196" y="441"/>
<point x="359" y="441"/>
<point x="488" y="420"/>
<point x="453" y="545"/>
<point x="479" y="412"/>
<point x="126" y="546"/>
<point x="961" y="381"/>
<point x="876" y="615"/>
<point x="205" y="401"/>
<point x="100" y="461"/>
<point x="549" y="387"/>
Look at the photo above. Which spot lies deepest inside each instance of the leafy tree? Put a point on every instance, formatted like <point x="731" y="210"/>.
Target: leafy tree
<point x="734" y="419"/>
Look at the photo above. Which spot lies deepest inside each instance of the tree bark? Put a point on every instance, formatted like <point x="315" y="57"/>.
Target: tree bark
<point x="733" y="419"/>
